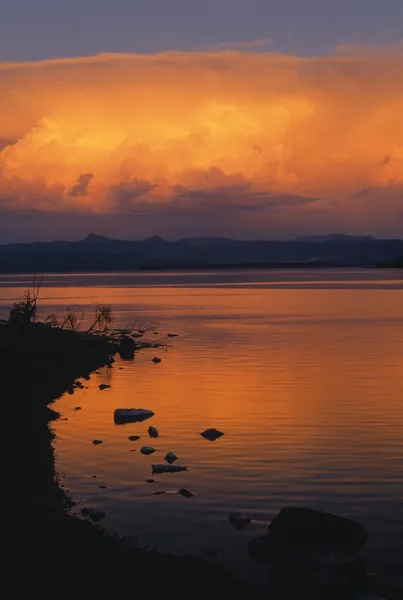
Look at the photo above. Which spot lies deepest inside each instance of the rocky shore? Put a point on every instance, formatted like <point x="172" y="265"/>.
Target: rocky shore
<point x="39" y="364"/>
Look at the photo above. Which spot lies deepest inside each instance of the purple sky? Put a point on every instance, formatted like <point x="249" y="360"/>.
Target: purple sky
<point x="35" y="29"/>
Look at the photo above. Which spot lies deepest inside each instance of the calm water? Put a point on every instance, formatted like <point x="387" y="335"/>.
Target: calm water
<point x="302" y="370"/>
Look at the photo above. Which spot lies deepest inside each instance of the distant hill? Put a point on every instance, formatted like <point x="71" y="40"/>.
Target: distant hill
<point x="100" y="253"/>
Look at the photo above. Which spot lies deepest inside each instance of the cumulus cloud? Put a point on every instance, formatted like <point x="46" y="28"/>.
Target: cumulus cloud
<point x="253" y="139"/>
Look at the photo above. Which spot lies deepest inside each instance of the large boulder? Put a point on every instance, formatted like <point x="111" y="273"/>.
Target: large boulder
<point x="311" y="536"/>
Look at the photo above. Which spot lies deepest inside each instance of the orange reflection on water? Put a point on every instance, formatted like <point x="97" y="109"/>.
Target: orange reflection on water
<point x="305" y="383"/>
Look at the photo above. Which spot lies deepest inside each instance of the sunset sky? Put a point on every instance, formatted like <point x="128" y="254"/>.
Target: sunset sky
<point x="248" y="119"/>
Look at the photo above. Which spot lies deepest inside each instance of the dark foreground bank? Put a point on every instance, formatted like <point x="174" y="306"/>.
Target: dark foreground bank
<point x="38" y="364"/>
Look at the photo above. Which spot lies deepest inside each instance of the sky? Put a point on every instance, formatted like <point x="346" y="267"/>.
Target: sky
<point x="241" y="118"/>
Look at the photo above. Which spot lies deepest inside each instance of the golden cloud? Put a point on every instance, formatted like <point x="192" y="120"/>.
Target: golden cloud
<point x="113" y="133"/>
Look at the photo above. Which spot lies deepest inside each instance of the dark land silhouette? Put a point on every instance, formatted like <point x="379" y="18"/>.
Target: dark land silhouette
<point x="99" y="253"/>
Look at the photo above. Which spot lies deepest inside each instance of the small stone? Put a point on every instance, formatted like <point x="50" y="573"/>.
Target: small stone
<point x="150" y="480"/>
<point x="77" y="408"/>
<point x="94" y="476"/>
<point x="171" y="457"/>
<point x="103" y="487"/>
<point x="133" y="438"/>
<point x="104" y="386"/>
<point x="70" y="391"/>
<point x="158" y="493"/>
<point x="93" y="514"/>
<point x="97" y="442"/>
<point x="147" y="450"/>
<point x="157" y="359"/>
<point x="152" y="432"/>
<point x="186" y="493"/>
<point x="238" y="520"/>
<point x="172" y="335"/>
<point x="212" y="434"/>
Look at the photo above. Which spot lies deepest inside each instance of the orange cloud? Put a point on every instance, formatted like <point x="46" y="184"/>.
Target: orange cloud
<point x="265" y="132"/>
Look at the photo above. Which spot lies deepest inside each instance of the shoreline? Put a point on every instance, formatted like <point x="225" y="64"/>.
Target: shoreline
<point x="42" y="365"/>
<point x="37" y="365"/>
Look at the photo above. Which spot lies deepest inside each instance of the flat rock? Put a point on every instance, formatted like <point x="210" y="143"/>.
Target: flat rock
<point x="147" y="450"/>
<point x="167" y="468"/>
<point x="97" y="442"/>
<point x="131" y="415"/>
<point x="212" y="434"/>
<point x="311" y="536"/>
<point x="133" y="438"/>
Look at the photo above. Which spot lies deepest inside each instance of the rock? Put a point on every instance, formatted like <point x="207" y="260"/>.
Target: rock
<point x="127" y="348"/>
<point x="87" y="377"/>
<point x="133" y="438"/>
<point x="97" y="442"/>
<point x="238" y="520"/>
<point x="131" y="415"/>
<point x="186" y="493"/>
<point x="152" y="432"/>
<point x="70" y="391"/>
<point x="94" y="476"/>
<point x="167" y="469"/>
<point x="173" y="335"/>
<point x="259" y="549"/>
<point x="155" y="332"/>
<point x="137" y="335"/>
<point x="120" y="368"/>
<point x="150" y="480"/>
<point x="212" y="434"/>
<point x="157" y="359"/>
<point x="77" y="408"/>
<point x="311" y="536"/>
<point x="104" y="386"/>
<point x="103" y="487"/>
<point x="97" y="372"/>
<point x="171" y="457"/>
<point x="147" y="450"/>
<point x="93" y="514"/>
<point x="159" y="493"/>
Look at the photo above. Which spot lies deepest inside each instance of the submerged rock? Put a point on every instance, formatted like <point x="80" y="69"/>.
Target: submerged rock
<point x="104" y="386"/>
<point x="147" y="450"/>
<point x="167" y="469"/>
<point x="212" y="434"/>
<point x="97" y="442"/>
<point x="131" y="415"/>
<point x="186" y="493"/>
<point x="239" y="520"/>
<point x="93" y="514"/>
<point x="171" y="457"/>
<point x="311" y="536"/>
<point x="157" y="359"/>
<point x="133" y="438"/>
<point x="152" y="432"/>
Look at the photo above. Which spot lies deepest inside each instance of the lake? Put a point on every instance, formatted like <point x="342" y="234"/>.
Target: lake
<point x="301" y="369"/>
